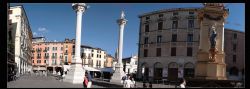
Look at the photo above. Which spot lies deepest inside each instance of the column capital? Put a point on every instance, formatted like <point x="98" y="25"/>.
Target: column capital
<point x="79" y="7"/>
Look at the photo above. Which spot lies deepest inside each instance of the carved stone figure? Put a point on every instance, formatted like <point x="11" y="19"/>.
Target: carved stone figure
<point x="213" y="38"/>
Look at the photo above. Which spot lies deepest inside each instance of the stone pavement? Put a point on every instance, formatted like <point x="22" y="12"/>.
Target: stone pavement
<point x="28" y="81"/>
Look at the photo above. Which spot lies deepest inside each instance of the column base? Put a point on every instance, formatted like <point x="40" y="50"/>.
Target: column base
<point x="118" y="74"/>
<point x="75" y="74"/>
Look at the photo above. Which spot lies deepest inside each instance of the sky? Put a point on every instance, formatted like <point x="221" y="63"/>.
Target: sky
<point x="57" y="21"/>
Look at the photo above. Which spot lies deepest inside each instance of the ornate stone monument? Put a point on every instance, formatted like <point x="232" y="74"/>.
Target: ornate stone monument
<point x="211" y="57"/>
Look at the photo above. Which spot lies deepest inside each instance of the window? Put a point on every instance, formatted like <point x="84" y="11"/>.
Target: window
<point x="66" y="59"/>
<point x="44" y="61"/>
<point x="160" y="15"/>
<point x="173" y="51"/>
<point x="160" y="25"/>
<point x="234" y="47"/>
<point x="55" y="48"/>
<point x="92" y="55"/>
<point x="97" y="55"/>
<point x="146" y="40"/>
<point x="174" y="37"/>
<point x="61" y="48"/>
<point x="10" y="37"/>
<point x="234" y="58"/>
<point x="190" y="23"/>
<point x="37" y="61"/>
<point x="147" y="28"/>
<point x="189" y="51"/>
<point x="190" y="38"/>
<point x="147" y="18"/>
<point x="145" y="52"/>
<point x="33" y="61"/>
<point x="48" y="48"/>
<point x="191" y="13"/>
<point x="175" y="13"/>
<point x="174" y="24"/>
<point x="66" y="51"/>
<point x="55" y="55"/>
<point x="158" y="52"/>
<point x="235" y="35"/>
<point x="159" y="39"/>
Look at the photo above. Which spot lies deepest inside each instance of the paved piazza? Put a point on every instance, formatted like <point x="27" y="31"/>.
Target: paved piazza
<point x="33" y="81"/>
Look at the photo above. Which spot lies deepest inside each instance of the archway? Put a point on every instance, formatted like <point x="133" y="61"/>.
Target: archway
<point x="172" y="71"/>
<point x="234" y="71"/>
<point x="189" y="70"/>
<point x="145" y="71"/>
<point x="158" y="71"/>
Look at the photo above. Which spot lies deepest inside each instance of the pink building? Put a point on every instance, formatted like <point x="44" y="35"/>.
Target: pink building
<point x="47" y="56"/>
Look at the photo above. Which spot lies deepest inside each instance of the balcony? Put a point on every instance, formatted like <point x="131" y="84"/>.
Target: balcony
<point x="38" y="57"/>
<point x="173" y="44"/>
<point x="65" y="53"/>
<point x="45" y="50"/>
<point x="189" y="43"/>
<point x="53" y="57"/>
<point x="190" y="17"/>
<point x="39" y="50"/>
<point x="175" y="17"/>
<point x="46" y="57"/>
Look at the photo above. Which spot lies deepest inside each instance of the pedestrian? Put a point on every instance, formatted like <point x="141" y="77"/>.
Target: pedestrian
<point x="89" y="80"/>
<point x="123" y="79"/>
<point x="133" y="81"/>
<point x="183" y="83"/>
<point x="150" y="85"/>
<point x="144" y="85"/>
<point x="128" y="83"/>
<point x="85" y="80"/>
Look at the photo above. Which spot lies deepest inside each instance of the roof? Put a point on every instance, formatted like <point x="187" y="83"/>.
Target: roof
<point x="229" y="29"/>
<point x="37" y="37"/>
<point x="168" y="10"/>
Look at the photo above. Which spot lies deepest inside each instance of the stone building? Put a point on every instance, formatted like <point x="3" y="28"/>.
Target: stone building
<point x="169" y="42"/>
<point x="235" y="54"/>
<point x="23" y="38"/>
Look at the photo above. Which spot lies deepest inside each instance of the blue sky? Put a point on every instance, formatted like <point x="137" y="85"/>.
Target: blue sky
<point x="57" y="21"/>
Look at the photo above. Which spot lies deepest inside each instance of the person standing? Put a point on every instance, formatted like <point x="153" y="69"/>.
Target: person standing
<point x="89" y="80"/>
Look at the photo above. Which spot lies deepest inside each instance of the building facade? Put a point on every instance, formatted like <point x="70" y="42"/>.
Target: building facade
<point x="68" y="50"/>
<point x="93" y="57"/>
<point x="11" y="47"/>
<point x="23" y="38"/>
<point x="130" y="64"/>
<point x="47" y="56"/>
<point x="169" y="42"/>
<point x="109" y="61"/>
<point x="235" y="54"/>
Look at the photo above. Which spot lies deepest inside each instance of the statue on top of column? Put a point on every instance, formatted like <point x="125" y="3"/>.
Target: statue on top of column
<point x="122" y="15"/>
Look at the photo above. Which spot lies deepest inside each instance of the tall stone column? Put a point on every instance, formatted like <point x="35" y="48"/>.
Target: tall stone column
<point x="76" y="72"/>
<point x="119" y="66"/>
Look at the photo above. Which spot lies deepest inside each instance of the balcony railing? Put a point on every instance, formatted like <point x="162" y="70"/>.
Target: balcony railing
<point x="38" y="57"/>
<point x="46" y="56"/>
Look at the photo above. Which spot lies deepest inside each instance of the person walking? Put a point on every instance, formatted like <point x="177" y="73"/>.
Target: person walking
<point x="144" y="85"/>
<point x="183" y="83"/>
<point x="150" y="85"/>
<point x="85" y="80"/>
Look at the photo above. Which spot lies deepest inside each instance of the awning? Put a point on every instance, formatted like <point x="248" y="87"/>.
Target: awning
<point x="90" y="69"/>
<point x="107" y="70"/>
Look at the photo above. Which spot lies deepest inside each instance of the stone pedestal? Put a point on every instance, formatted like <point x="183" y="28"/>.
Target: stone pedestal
<point x="118" y="74"/>
<point x="210" y="70"/>
<point x="75" y="74"/>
